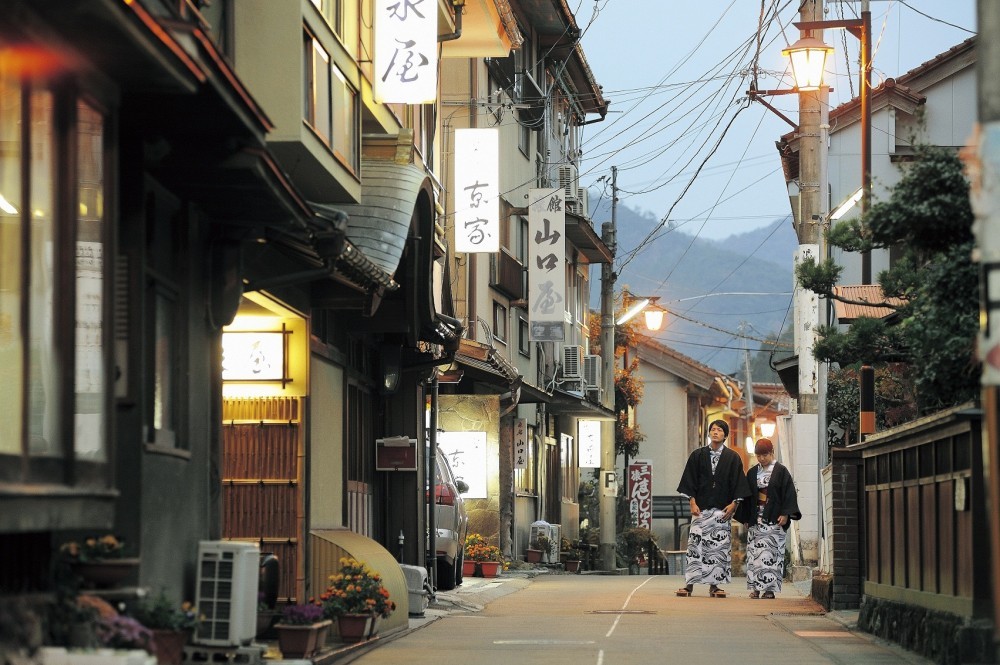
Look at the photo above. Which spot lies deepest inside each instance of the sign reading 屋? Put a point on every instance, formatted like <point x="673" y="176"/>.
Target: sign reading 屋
<point x="405" y="51"/>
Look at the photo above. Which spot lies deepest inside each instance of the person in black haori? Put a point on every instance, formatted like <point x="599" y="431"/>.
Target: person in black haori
<point x="714" y="482"/>
<point x="767" y="519"/>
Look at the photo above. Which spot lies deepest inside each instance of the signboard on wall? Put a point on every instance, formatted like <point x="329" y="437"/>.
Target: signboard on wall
<point x="589" y="432"/>
<point x="640" y="492"/>
<point x="521" y="443"/>
<point x="477" y="190"/>
<point x="546" y="265"/>
<point x="466" y="452"/>
<point x="405" y="52"/>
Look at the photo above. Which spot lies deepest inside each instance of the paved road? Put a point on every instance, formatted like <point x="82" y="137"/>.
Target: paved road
<point x="607" y="619"/>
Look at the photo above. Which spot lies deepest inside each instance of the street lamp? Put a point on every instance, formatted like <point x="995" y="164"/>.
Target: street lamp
<point x="652" y="313"/>
<point x="808" y="53"/>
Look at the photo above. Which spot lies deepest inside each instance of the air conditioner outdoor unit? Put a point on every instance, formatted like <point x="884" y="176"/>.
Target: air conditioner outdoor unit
<point x="592" y="371"/>
<point x="572" y="365"/>
<point x="569" y="181"/>
<point x="226" y="592"/>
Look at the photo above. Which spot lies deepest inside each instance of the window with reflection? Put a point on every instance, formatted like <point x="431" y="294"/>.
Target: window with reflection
<point x="330" y="104"/>
<point x="53" y="283"/>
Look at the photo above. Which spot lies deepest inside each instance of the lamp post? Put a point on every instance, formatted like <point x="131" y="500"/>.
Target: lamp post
<point x="808" y="59"/>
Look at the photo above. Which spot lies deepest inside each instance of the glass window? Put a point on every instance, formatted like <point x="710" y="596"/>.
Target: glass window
<point x="317" y="88"/>
<point x="570" y="467"/>
<point x="330" y="102"/>
<point x="49" y="335"/>
<point x="91" y="384"/>
<point x="524" y="479"/>
<point x="164" y="411"/>
<point x="523" y="342"/>
<point x="11" y="340"/>
<point x="499" y="322"/>
<point x="344" y="105"/>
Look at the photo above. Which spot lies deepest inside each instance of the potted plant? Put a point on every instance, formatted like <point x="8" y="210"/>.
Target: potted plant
<point x="488" y="558"/>
<point x="632" y="544"/>
<point x="300" y="630"/>
<point x="544" y="545"/>
<point x="573" y="558"/>
<point x="357" y="599"/>
<point x="171" y="625"/>
<point x="99" y="561"/>
<point x="469" y="564"/>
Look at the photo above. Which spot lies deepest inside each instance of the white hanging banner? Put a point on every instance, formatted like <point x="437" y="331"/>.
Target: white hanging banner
<point x="589" y="432"/>
<point x="466" y="451"/>
<point x="477" y="190"/>
<point x="546" y="265"/>
<point x="521" y="443"/>
<point x="405" y="51"/>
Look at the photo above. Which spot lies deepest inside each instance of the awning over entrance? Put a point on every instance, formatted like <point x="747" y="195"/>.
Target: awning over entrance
<point x="380" y="224"/>
<point x="570" y="404"/>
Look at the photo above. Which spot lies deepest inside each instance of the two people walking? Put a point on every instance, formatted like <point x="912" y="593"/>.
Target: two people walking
<point x="763" y="499"/>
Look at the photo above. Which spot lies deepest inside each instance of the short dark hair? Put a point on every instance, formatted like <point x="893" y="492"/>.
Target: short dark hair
<point x="723" y="425"/>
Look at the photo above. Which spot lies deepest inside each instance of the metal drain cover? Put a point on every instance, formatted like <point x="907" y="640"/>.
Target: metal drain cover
<point x="621" y="612"/>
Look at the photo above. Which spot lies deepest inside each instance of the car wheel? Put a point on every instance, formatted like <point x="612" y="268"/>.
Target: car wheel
<point x="459" y="568"/>
<point x="446" y="575"/>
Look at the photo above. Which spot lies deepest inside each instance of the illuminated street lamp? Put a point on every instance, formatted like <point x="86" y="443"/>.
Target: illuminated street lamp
<point x="652" y="313"/>
<point x="808" y="58"/>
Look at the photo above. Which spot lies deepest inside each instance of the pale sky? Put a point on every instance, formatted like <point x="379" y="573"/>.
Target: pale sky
<point x="672" y="71"/>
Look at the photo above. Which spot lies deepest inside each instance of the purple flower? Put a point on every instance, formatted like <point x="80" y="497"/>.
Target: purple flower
<point x="302" y="615"/>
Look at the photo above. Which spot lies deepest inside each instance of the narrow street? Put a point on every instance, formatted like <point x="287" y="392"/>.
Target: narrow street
<point x="597" y="619"/>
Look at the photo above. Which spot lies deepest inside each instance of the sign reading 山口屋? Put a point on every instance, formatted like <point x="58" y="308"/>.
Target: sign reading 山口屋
<point x="546" y="269"/>
<point x="405" y="51"/>
<point x="477" y="190"/>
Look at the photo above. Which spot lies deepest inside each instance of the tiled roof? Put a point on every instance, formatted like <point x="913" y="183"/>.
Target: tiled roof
<point x="877" y="305"/>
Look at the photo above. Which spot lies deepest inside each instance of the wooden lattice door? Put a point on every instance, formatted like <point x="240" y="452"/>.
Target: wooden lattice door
<point x="262" y="480"/>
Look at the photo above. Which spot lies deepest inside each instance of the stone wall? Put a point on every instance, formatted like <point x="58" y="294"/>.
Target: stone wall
<point x="944" y="638"/>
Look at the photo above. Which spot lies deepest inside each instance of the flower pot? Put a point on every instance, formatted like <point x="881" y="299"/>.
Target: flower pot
<point x="468" y="568"/>
<point x="490" y="568"/>
<point x="532" y="556"/>
<point x="168" y="646"/>
<point x="266" y="619"/>
<point x="105" y="573"/>
<point x="355" y="627"/>
<point x="572" y="565"/>
<point x="300" y="641"/>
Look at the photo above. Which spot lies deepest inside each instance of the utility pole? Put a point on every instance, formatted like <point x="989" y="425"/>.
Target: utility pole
<point x="805" y="429"/>
<point x="608" y="487"/>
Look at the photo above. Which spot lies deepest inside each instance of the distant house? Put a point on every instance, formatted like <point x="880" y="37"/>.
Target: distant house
<point x="680" y="397"/>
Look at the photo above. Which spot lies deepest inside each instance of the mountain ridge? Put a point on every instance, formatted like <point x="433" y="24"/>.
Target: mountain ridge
<point x="721" y="295"/>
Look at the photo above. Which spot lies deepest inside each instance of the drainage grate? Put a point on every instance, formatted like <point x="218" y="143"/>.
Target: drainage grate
<point x="621" y="612"/>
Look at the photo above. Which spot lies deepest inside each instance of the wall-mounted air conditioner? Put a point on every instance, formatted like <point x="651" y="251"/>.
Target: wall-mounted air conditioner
<point x="569" y="181"/>
<point x="226" y="592"/>
<point x="592" y="372"/>
<point x="572" y="362"/>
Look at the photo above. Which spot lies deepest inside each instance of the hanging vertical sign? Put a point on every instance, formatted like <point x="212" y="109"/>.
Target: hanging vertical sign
<point x="640" y="492"/>
<point x="589" y="432"/>
<point x="477" y="190"/>
<point x="521" y="443"/>
<point x="546" y="265"/>
<point x="405" y="51"/>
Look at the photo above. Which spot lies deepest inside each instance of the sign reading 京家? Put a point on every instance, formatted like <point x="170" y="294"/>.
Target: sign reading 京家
<point x="405" y="51"/>
<point x="477" y="190"/>
<point x="466" y="452"/>
<point x="546" y="269"/>
<point x="253" y="356"/>
<point x="521" y="443"/>
<point x="589" y="432"/>
<point x="640" y="492"/>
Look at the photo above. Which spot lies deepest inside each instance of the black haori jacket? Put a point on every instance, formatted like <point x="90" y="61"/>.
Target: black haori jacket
<point x="782" y="499"/>
<point x="714" y="491"/>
